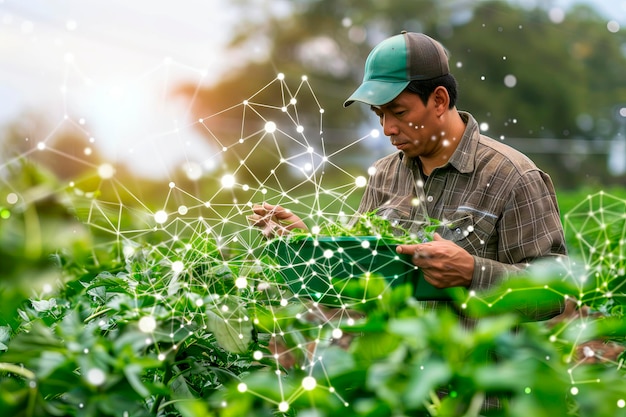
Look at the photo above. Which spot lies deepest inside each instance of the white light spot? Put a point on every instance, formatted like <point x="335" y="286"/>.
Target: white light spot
<point x="96" y="376"/>
<point x="228" y="181"/>
<point x="242" y="387"/>
<point x="160" y="217"/>
<point x="484" y="126"/>
<point x="556" y="15"/>
<point x="182" y="210"/>
<point x="360" y="181"/>
<point x="365" y="244"/>
<point x="147" y="324"/>
<point x="574" y="391"/>
<point x="328" y="253"/>
<point x="309" y="383"/>
<point x="106" y="171"/>
<point x="270" y="127"/>
<point x="283" y="406"/>
<point x="241" y="282"/>
<point x="621" y="403"/>
<point x="11" y="198"/>
<point x="510" y="80"/>
<point x="375" y="133"/>
<point x="193" y="170"/>
<point x="178" y="266"/>
<point x="337" y="333"/>
<point x="613" y="26"/>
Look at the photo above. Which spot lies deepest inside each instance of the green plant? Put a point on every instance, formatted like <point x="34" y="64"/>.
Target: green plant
<point x="179" y="328"/>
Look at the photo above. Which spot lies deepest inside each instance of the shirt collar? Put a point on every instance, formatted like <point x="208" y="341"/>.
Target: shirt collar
<point x="464" y="155"/>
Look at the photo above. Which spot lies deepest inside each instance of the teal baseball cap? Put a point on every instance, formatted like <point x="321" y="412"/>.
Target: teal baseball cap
<point x="397" y="61"/>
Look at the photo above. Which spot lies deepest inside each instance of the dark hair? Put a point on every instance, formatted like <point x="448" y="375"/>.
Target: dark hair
<point x="425" y="88"/>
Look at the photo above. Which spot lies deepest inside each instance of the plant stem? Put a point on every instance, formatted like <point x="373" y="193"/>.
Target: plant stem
<point x="18" y="370"/>
<point x="159" y="398"/>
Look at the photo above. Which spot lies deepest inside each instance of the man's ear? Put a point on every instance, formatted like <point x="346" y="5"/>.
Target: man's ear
<point x="441" y="99"/>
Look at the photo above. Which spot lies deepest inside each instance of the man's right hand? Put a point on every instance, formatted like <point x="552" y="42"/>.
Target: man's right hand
<point x="274" y="220"/>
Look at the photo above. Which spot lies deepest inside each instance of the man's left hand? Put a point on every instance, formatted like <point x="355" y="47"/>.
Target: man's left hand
<point x="443" y="262"/>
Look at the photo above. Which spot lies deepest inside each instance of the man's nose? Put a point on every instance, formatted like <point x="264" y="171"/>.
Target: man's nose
<point x="390" y="128"/>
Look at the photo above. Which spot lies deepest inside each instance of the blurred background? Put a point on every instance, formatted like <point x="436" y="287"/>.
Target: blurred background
<point x="126" y="82"/>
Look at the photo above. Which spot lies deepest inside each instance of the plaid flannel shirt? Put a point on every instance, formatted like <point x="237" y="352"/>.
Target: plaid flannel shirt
<point x="491" y="199"/>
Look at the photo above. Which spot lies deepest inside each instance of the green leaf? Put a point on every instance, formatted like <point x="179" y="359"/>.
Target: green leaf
<point x="422" y="380"/>
<point x="231" y="334"/>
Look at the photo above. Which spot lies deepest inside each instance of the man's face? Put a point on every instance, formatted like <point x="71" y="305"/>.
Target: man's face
<point x="411" y="126"/>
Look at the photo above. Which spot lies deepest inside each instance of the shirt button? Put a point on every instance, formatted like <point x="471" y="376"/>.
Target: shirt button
<point x="429" y="198"/>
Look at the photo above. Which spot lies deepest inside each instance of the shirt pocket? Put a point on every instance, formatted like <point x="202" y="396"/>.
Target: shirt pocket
<point x="471" y="229"/>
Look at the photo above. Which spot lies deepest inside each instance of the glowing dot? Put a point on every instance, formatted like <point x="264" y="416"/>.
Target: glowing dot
<point x="459" y="64"/>
<point x="510" y="80"/>
<point x="371" y="170"/>
<point x="365" y="244"/>
<point x="280" y="76"/>
<point x="293" y="101"/>
<point x="11" y="198"/>
<point x="270" y="127"/>
<point x="574" y="391"/>
<point x="193" y="170"/>
<point x="178" y="266"/>
<point x="484" y="127"/>
<point x="182" y="210"/>
<point x="161" y="357"/>
<point x="309" y="383"/>
<point x="147" y="324"/>
<point x="300" y="129"/>
<point x="106" y="171"/>
<point x="41" y="146"/>
<point x="96" y="376"/>
<point x="337" y="333"/>
<point x="242" y="387"/>
<point x="241" y="282"/>
<point x="557" y="15"/>
<point x="613" y="26"/>
<point x="160" y="217"/>
<point x="87" y="151"/>
<point x="283" y="406"/>
<point x="621" y="403"/>
<point x="47" y="288"/>
<point x="375" y="133"/>
<point x="257" y="355"/>
<point x="199" y="302"/>
<point x="360" y="181"/>
<point x="228" y="181"/>
<point x="527" y="390"/>
<point x="315" y="230"/>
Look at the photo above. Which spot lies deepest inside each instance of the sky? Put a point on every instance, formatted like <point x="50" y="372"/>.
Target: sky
<point x="106" y="67"/>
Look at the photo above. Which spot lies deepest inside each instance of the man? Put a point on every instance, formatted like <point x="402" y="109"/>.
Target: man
<point x="498" y="210"/>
